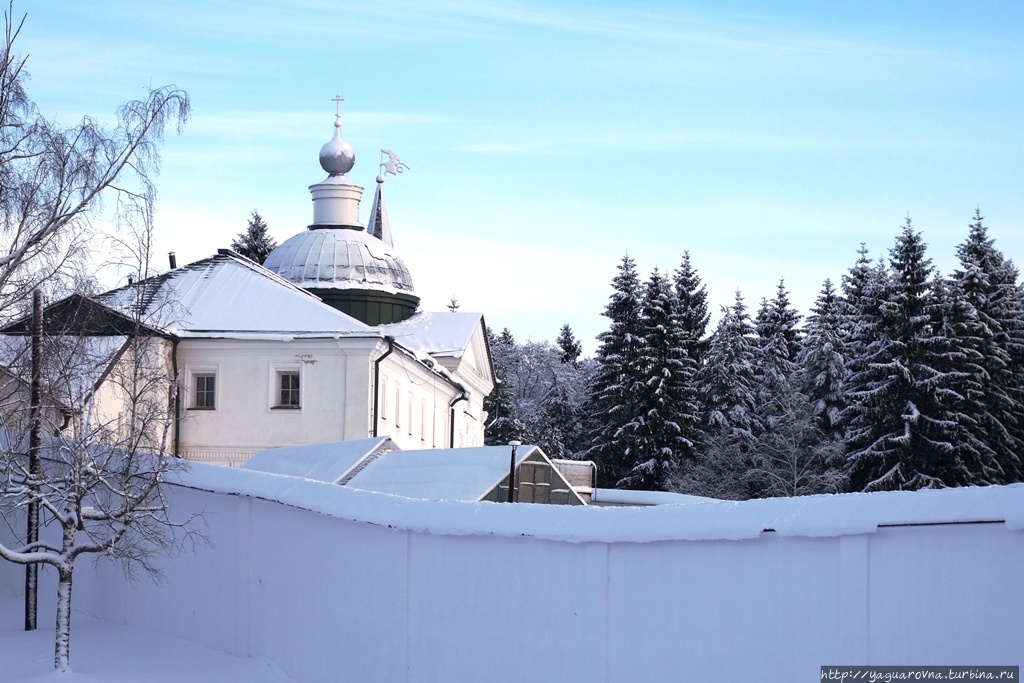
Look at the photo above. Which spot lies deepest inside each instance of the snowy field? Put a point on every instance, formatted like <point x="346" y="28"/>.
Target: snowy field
<point x="101" y="652"/>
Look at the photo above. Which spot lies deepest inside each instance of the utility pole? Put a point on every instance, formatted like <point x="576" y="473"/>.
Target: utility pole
<point x="34" y="460"/>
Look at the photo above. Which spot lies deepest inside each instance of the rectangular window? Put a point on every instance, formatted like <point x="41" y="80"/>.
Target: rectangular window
<point x="205" y="392"/>
<point x="289" y="390"/>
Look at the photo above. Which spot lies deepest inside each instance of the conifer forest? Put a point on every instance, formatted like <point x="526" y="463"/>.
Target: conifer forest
<point x="897" y="378"/>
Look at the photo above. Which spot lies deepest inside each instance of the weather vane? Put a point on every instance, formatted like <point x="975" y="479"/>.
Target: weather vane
<point x="393" y="165"/>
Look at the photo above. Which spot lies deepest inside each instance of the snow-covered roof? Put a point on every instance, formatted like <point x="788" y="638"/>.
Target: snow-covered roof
<point x="340" y="258"/>
<point x="228" y="295"/>
<point x="328" y="462"/>
<point x="465" y="474"/>
<point x="436" y="333"/>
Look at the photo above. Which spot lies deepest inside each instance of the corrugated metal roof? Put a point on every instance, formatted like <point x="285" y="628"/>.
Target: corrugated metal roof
<point x="340" y="258"/>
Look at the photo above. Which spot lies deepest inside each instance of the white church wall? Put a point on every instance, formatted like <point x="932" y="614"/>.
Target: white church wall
<point x="247" y="416"/>
<point x="372" y="587"/>
<point x="415" y="407"/>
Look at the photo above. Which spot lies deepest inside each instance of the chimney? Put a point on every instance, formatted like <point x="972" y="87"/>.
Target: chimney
<point x="174" y="261"/>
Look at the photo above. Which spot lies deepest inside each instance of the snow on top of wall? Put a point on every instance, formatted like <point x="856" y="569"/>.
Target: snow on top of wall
<point x="434" y="332"/>
<point x="320" y="462"/>
<point x="228" y="293"/>
<point x="813" y="516"/>
<point x="629" y="497"/>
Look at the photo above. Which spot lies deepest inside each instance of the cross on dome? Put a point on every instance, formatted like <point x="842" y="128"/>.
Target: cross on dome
<point x="336" y="156"/>
<point x="337" y="99"/>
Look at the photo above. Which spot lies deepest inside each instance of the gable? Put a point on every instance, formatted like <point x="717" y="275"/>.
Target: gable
<point x="81" y="316"/>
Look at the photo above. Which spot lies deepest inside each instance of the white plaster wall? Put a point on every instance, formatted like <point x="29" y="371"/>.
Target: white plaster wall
<point x="333" y="598"/>
<point x="415" y="407"/>
<point x="334" y="382"/>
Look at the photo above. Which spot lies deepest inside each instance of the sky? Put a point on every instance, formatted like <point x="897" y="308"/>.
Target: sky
<point x="545" y="141"/>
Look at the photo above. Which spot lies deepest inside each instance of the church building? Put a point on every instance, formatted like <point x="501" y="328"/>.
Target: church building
<point x="323" y="342"/>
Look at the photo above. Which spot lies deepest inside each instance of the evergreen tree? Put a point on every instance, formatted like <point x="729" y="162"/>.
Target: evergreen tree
<point x="862" y="288"/>
<point x="775" y="371"/>
<point x="958" y="326"/>
<point x="618" y="356"/>
<point x="660" y="434"/>
<point x="693" y="309"/>
<point x="822" y="361"/>
<point x="727" y="380"/>
<point x="726" y="386"/>
<point x="503" y="423"/>
<point x="255" y="243"/>
<point x="568" y="345"/>
<point x="778" y="318"/>
<point x="988" y="283"/>
<point x="900" y="430"/>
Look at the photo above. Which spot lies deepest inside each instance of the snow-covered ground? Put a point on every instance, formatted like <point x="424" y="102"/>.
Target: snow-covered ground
<point x="101" y="652"/>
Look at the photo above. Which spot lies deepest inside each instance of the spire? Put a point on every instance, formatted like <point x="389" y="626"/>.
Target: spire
<point x="378" y="224"/>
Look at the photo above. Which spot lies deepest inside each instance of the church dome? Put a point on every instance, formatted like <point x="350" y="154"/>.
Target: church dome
<point x="336" y="259"/>
<point x="340" y="258"/>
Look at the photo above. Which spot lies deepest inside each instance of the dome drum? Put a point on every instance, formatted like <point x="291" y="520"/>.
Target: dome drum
<point x="336" y="203"/>
<point x="370" y="307"/>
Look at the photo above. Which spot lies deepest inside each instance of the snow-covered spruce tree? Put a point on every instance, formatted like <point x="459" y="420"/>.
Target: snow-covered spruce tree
<point x="568" y="345"/>
<point x="618" y="356"/>
<point x="503" y="423"/>
<point x="822" y="361"/>
<point x="693" y="309"/>
<point x="863" y="286"/>
<point x="255" y="243"/>
<point x="660" y="436"/>
<point x="956" y="323"/>
<point x="727" y="381"/>
<point x="988" y="282"/>
<point x="778" y="318"/>
<point x="726" y="386"/>
<point x="900" y="423"/>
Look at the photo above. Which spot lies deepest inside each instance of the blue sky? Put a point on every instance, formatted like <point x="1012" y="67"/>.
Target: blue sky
<point x="546" y="140"/>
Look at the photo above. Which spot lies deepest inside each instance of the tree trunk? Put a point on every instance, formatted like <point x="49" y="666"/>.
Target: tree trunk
<point x="62" y="643"/>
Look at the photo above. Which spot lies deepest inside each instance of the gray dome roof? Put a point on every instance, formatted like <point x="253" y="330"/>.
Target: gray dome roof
<point x="340" y="258"/>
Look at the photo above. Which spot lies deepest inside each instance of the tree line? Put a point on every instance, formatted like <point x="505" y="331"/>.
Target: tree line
<point x="900" y="378"/>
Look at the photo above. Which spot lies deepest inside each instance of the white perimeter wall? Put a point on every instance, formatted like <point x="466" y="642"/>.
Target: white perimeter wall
<point x="329" y="597"/>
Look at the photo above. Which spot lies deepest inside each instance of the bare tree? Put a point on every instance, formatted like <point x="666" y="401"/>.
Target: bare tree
<point x="100" y="482"/>
<point x="54" y="180"/>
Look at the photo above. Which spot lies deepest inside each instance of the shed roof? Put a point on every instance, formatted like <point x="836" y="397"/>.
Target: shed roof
<point x="466" y="474"/>
<point x="328" y="462"/>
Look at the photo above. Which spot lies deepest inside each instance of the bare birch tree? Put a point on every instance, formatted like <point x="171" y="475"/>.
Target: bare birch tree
<point x="100" y="483"/>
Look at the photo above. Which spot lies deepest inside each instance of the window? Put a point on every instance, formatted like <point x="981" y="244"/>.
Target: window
<point x="205" y="392"/>
<point x="288" y="383"/>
